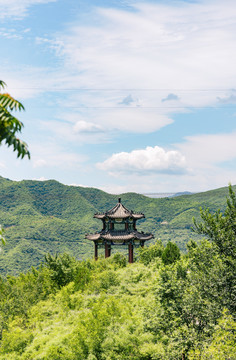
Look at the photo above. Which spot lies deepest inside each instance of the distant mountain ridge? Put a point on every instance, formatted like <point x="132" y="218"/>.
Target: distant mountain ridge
<point x="47" y="216"/>
<point x="161" y="195"/>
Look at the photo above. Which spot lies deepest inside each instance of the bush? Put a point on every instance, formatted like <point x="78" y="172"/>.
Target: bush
<point x="170" y="254"/>
<point x="119" y="259"/>
<point x="147" y="254"/>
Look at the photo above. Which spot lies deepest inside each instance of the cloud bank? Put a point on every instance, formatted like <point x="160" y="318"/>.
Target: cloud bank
<point x="171" y="57"/>
<point x="18" y="8"/>
<point x="150" y="160"/>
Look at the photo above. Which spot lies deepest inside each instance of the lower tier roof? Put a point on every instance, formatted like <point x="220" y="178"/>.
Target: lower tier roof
<point x="119" y="236"/>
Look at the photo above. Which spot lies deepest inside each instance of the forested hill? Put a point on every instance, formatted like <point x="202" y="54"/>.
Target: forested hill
<point x="47" y="216"/>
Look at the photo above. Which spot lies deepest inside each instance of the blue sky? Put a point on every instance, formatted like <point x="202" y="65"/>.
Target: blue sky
<point x="123" y="95"/>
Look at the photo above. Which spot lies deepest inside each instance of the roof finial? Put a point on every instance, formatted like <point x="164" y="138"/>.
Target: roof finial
<point x="119" y="200"/>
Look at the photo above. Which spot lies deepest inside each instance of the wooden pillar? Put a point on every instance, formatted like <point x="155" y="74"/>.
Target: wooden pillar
<point x="131" y="253"/>
<point x="95" y="250"/>
<point x="107" y="250"/>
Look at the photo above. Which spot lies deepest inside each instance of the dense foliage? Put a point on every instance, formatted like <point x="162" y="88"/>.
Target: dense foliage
<point x="10" y="126"/>
<point x="166" y="306"/>
<point x="47" y="217"/>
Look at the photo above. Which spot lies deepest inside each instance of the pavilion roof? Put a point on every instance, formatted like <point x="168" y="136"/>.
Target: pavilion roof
<point x="124" y="236"/>
<point x="119" y="211"/>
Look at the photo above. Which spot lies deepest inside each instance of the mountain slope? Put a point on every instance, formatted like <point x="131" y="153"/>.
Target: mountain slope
<point x="46" y="216"/>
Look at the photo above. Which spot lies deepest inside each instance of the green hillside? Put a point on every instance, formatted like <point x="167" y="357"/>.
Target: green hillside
<point x="111" y="310"/>
<point x="168" y="305"/>
<point x="46" y="216"/>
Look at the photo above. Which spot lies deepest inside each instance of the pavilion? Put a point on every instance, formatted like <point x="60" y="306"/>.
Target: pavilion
<point x="119" y="229"/>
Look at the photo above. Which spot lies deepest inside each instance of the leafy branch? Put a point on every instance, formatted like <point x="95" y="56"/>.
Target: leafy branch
<point x="10" y="125"/>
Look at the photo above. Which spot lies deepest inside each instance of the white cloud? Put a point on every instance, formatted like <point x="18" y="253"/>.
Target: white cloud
<point x="152" y="159"/>
<point x="42" y="178"/>
<point x="133" y="120"/>
<point x="86" y="127"/>
<point x="158" y="46"/>
<point x="54" y="156"/>
<point x="76" y="131"/>
<point x="10" y="34"/>
<point x="80" y="185"/>
<point x="23" y="81"/>
<point x="206" y="151"/>
<point x="208" y="156"/>
<point x="201" y="160"/>
<point x="230" y="99"/>
<point x="102" y="125"/>
<point x="39" y="163"/>
<point x="127" y="63"/>
<point x="136" y="60"/>
<point x="185" y="49"/>
<point x="18" y="8"/>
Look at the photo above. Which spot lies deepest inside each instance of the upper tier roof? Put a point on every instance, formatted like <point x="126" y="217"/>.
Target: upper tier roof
<point x="119" y="211"/>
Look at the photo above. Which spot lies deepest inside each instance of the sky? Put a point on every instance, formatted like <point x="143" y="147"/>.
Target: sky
<point x="122" y="95"/>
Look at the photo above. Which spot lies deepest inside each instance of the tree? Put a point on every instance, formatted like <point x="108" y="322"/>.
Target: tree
<point x="220" y="229"/>
<point x="9" y="124"/>
<point x="171" y="253"/>
<point x="222" y="343"/>
<point x="149" y="253"/>
<point x="62" y="268"/>
<point x="2" y="239"/>
<point x="9" y="127"/>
